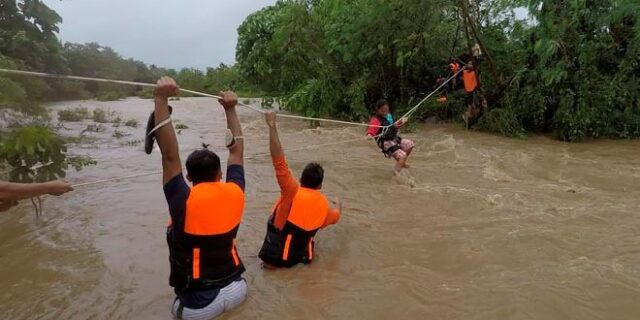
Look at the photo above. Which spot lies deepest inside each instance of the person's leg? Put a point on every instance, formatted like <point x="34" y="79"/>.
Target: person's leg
<point x="407" y="146"/>
<point x="234" y="294"/>
<point x="401" y="160"/>
<point x="212" y="311"/>
<point x="176" y="309"/>
<point x="469" y="114"/>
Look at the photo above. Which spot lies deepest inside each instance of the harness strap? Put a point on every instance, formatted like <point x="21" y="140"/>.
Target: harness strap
<point x="389" y="151"/>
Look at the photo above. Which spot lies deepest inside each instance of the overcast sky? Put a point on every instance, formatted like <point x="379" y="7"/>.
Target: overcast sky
<point x="168" y="33"/>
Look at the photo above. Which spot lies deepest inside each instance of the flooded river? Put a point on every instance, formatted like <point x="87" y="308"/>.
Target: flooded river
<point x="493" y="228"/>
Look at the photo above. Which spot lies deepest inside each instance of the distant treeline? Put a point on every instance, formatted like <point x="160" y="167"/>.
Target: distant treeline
<point x="29" y="147"/>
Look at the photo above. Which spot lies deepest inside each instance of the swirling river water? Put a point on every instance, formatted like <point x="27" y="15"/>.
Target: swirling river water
<point x="480" y="227"/>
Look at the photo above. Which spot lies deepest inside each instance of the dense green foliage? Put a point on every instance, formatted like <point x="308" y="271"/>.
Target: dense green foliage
<point x="30" y="150"/>
<point x="580" y="71"/>
<point x="571" y="66"/>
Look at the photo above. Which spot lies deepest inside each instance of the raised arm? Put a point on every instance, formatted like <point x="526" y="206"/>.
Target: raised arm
<point x="166" y="136"/>
<point x="275" y="147"/>
<point x="286" y="181"/>
<point x="12" y="192"/>
<point x="236" y="151"/>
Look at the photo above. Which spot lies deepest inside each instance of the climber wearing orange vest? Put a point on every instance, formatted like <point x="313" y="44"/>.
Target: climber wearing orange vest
<point x="299" y="213"/>
<point x="470" y="79"/>
<point x="454" y="67"/>
<point x="206" y="271"/>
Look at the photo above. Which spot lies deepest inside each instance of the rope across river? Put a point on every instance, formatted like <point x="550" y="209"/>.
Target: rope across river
<point x="250" y="107"/>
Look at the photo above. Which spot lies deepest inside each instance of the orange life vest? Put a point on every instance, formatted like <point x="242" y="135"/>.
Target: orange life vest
<point x="294" y="243"/>
<point x="203" y="252"/>
<point x="470" y="80"/>
<point x="455" y="67"/>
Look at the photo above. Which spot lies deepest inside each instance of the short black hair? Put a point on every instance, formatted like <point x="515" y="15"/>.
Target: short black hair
<point x="381" y="103"/>
<point x="203" y="166"/>
<point x="312" y="176"/>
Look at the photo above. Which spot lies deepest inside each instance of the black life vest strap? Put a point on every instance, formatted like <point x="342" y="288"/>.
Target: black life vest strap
<point x="391" y="150"/>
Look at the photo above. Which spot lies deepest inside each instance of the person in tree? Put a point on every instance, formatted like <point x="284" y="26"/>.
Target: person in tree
<point x="11" y="193"/>
<point x="454" y="67"/>
<point x="475" y="102"/>
<point x="387" y="138"/>
<point x="206" y="271"/>
<point x="300" y="212"/>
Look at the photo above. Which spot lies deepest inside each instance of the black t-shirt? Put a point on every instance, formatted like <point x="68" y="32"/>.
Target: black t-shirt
<point x="177" y="192"/>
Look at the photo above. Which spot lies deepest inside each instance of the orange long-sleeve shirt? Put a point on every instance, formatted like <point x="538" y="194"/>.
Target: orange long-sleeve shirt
<point x="288" y="190"/>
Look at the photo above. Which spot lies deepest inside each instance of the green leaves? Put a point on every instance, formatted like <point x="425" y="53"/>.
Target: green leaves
<point x="334" y="58"/>
<point x="34" y="153"/>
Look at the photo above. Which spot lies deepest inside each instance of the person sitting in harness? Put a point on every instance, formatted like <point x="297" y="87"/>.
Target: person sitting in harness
<point x="385" y="130"/>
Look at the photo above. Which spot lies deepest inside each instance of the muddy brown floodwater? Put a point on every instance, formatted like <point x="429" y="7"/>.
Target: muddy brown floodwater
<point x="493" y="228"/>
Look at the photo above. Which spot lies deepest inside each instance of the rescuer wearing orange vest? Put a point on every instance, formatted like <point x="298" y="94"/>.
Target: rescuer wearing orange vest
<point x="205" y="267"/>
<point x="299" y="213"/>
<point x="470" y="79"/>
<point x="454" y="67"/>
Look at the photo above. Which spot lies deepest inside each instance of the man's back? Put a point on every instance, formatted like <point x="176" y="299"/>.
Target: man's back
<point x="300" y="211"/>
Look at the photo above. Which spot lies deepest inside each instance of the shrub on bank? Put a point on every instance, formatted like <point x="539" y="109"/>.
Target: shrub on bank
<point x="73" y="115"/>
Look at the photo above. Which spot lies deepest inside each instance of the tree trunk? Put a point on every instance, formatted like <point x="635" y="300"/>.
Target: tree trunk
<point x="472" y="26"/>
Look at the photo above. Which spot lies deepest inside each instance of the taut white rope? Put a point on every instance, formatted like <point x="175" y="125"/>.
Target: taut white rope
<point x="142" y="84"/>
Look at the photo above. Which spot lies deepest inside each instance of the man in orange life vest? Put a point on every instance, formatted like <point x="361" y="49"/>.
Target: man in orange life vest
<point x="454" y="67"/>
<point x="205" y="267"/>
<point x="300" y="212"/>
<point x="474" y="105"/>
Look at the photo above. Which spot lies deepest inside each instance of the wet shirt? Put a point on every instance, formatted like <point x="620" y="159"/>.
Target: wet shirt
<point x="288" y="190"/>
<point x="177" y="192"/>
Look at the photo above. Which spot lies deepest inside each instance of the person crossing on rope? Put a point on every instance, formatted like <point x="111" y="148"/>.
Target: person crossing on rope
<point x="11" y="193"/>
<point x="388" y="140"/>
<point x="206" y="271"/>
<point x="300" y="212"/>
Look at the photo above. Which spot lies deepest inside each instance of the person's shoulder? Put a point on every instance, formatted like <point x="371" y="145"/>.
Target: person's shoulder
<point x="233" y="189"/>
<point x="324" y="198"/>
